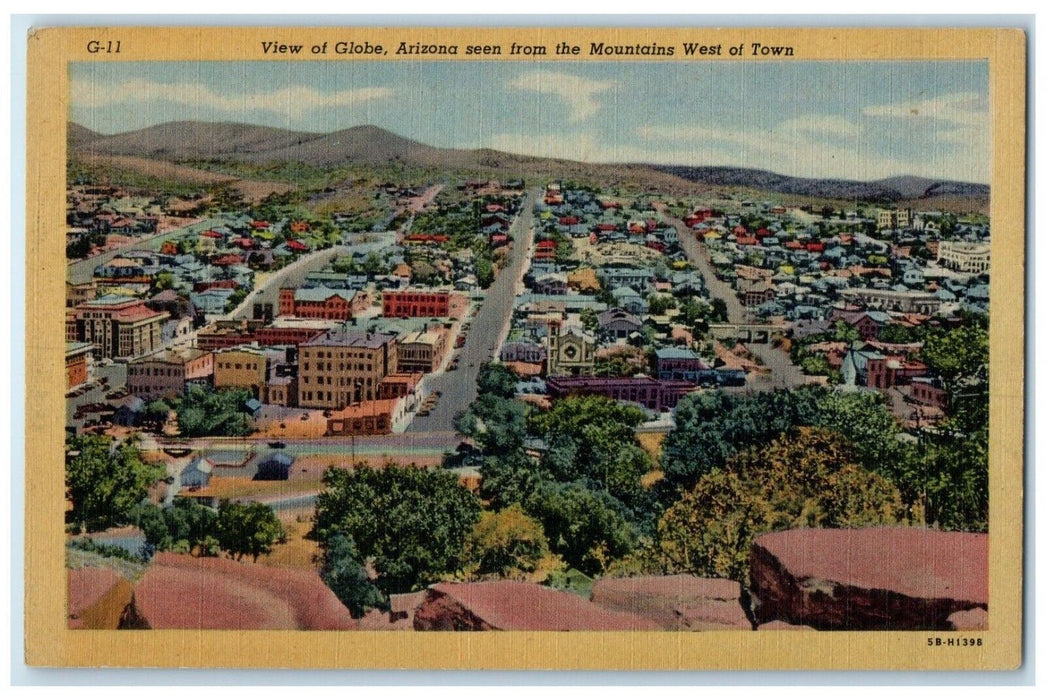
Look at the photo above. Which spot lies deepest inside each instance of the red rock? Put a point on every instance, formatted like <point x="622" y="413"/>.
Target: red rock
<point x="184" y="592"/>
<point x="973" y="619"/>
<point x="680" y="602"/>
<point x="869" y="579"/>
<point x="97" y="598"/>
<point x="512" y="605"/>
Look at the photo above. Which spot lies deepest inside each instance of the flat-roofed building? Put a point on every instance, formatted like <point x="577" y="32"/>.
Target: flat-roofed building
<point x="339" y="368"/>
<point x="168" y="373"/>
<point x="421" y="351"/>
<point x="415" y="303"/>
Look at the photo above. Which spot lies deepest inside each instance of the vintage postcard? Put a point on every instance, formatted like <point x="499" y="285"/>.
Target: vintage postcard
<point x="529" y="348"/>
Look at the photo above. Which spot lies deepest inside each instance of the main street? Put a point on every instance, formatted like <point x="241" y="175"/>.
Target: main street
<point x="783" y="373"/>
<point x="489" y="327"/>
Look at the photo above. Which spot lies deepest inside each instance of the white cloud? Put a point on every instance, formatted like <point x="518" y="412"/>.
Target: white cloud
<point x="579" y="93"/>
<point x="959" y="108"/>
<point x="86" y="95"/>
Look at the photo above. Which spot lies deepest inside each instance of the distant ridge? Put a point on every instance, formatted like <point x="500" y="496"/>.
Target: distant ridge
<point x="372" y="145"/>
<point x="886" y="190"/>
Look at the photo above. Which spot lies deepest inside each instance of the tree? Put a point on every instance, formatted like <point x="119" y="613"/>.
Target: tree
<point x="497" y="379"/>
<point x="247" y="528"/>
<point x="105" y="480"/>
<point x="592" y="438"/>
<point x="410" y="523"/>
<point x="583" y="526"/>
<point x="341" y="568"/>
<point x="807" y="480"/>
<point x="498" y="425"/>
<point x="505" y="544"/>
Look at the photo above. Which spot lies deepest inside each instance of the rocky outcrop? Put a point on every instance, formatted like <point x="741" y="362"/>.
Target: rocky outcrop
<point x="98" y="598"/>
<point x="680" y="602"/>
<point x="400" y="615"/>
<point x="184" y="592"/>
<point x="869" y="579"/>
<point x="512" y="605"/>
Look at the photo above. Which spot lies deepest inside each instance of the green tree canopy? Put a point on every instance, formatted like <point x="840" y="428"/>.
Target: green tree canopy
<point x="342" y="569"/>
<point x="497" y="379"/>
<point x="105" y="481"/>
<point x="411" y="523"/>
<point x="247" y="528"/>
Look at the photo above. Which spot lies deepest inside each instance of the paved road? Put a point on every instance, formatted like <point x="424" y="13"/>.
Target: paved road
<point x="82" y="271"/>
<point x="489" y="328"/>
<point x="419" y="444"/>
<point x="782" y="372"/>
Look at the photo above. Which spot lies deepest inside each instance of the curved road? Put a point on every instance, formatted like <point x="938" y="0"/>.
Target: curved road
<point x="783" y="373"/>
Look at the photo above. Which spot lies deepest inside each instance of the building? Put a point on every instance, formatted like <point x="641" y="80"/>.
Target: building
<point x="973" y="258"/>
<point x="415" y="303"/>
<point x="118" y="327"/>
<point x="571" y="351"/>
<point x="322" y="302"/>
<point x="889" y="300"/>
<point x="893" y="218"/>
<point x="678" y="363"/>
<point x="371" y="417"/>
<point x="340" y="368"/>
<point x="77" y="363"/>
<point x="398" y="385"/>
<point x="618" y="324"/>
<point x="654" y="394"/>
<point x="421" y="351"/>
<point x="275" y="467"/>
<point x="168" y="373"/>
<point x="755" y="292"/>
<point x="242" y="367"/>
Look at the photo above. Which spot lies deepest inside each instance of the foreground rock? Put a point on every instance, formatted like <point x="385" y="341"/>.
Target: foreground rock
<point x="512" y="605"/>
<point x="98" y="598"/>
<point x="184" y="592"/>
<point x="869" y="579"/>
<point x="680" y="602"/>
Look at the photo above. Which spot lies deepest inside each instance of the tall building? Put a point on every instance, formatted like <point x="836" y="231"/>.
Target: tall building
<point x="118" y="327"/>
<point x="339" y="368"/>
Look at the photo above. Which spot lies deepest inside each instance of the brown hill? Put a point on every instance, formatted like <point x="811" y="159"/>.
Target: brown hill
<point x="374" y="146"/>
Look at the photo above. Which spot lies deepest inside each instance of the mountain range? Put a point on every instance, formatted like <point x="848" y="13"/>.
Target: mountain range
<point x="370" y="145"/>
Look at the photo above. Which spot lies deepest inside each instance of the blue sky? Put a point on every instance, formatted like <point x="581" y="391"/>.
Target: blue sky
<point x="861" y="120"/>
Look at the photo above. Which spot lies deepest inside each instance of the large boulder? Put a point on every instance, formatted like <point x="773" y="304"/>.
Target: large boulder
<point x="680" y="602"/>
<point x="97" y="598"/>
<point x="512" y="605"/>
<point x="184" y="592"/>
<point x="869" y="579"/>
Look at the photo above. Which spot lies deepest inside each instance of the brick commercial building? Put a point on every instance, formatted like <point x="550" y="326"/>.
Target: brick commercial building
<point x="117" y="326"/>
<point x="421" y="351"/>
<point x="415" y="303"/>
<point x="168" y="373"/>
<point x="655" y="394"/>
<point x="322" y="302"/>
<point x="340" y="368"/>
<point x="367" y="418"/>
<point x="76" y="363"/>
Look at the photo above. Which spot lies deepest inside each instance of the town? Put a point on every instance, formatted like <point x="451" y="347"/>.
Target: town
<point x="572" y="363"/>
